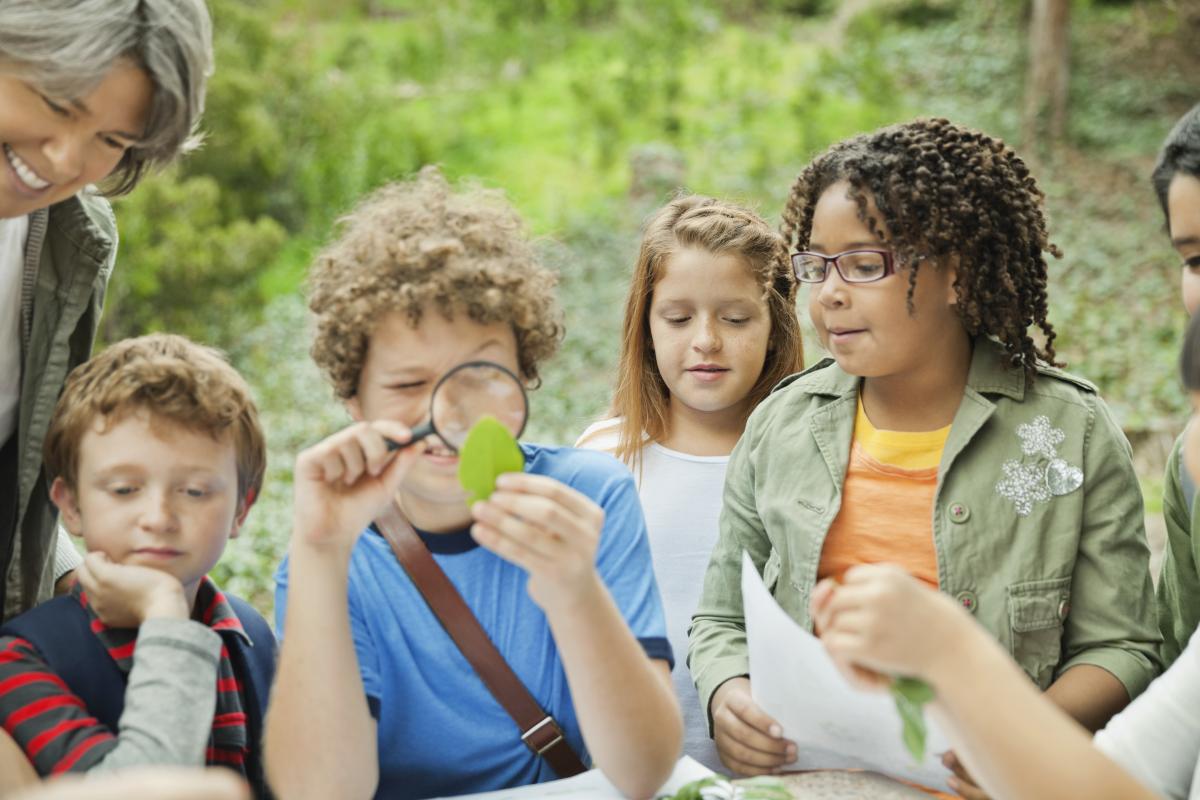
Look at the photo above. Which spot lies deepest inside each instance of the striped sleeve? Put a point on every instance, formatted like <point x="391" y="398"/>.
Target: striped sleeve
<point x="50" y="723"/>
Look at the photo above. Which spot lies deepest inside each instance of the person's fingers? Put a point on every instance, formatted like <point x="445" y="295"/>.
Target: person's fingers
<point x="353" y="458"/>
<point x="508" y="548"/>
<point x="736" y="742"/>
<point x="331" y="466"/>
<point x="757" y="729"/>
<point x="376" y="455"/>
<point x="539" y="510"/>
<point x="573" y="501"/>
<point x="397" y="432"/>
<point x="518" y="529"/>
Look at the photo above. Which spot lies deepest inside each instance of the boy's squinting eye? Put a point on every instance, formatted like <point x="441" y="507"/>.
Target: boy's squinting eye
<point x="122" y="490"/>
<point x="1192" y="263"/>
<point x="196" y="491"/>
<point x="737" y="320"/>
<point x="407" y="387"/>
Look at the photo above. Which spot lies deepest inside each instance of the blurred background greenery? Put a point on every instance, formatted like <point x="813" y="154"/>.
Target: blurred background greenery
<point x="588" y="113"/>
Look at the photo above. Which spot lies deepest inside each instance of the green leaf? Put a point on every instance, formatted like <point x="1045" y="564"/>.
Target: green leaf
<point x="489" y="450"/>
<point x="911" y="695"/>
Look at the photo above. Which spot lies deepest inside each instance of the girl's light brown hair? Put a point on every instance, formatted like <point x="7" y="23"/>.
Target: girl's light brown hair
<point x="641" y="400"/>
<point x="173" y="379"/>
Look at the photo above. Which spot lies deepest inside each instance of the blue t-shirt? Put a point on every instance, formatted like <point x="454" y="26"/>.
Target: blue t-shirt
<point x="440" y="730"/>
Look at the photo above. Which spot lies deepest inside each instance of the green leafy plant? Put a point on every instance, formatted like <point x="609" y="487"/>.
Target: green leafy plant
<point x="489" y="451"/>
<point x="911" y="695"/>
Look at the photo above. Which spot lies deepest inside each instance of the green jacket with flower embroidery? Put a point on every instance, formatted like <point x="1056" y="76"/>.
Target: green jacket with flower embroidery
<point x="1037" y="521"/>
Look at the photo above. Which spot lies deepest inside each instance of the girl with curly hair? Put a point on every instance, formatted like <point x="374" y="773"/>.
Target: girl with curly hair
<point x="881" y="621"/>
<point x="373" y="698"/>
<point x="939" y="436"/>
<point x="710" y="327"/>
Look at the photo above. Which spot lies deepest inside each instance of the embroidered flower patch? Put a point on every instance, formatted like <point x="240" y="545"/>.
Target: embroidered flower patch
<point x="1041" y="474"/>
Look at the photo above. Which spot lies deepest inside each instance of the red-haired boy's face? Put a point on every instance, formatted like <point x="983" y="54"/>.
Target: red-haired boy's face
<point x="152" y="493"/>
<point x="402" y="366"/>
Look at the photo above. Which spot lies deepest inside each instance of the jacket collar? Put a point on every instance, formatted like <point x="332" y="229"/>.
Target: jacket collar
<point x="988" y="374"/>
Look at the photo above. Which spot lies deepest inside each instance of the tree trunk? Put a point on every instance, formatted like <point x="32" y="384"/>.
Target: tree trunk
<point x="1049" y="64"/>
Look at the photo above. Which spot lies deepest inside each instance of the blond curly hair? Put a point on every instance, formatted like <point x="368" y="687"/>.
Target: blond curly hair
<point x="173" y="379"/>
<point x="421" y="244"/>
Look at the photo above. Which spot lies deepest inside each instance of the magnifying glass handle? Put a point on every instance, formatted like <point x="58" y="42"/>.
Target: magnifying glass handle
<point x="418" y="433"/>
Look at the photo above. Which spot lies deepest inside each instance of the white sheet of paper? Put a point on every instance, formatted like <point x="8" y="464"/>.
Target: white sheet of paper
<point x="834" y="725"/>
<point x="592" y="785"/>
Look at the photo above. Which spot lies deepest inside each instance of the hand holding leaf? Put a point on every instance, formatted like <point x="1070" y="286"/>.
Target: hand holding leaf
<point x="490" y="450"/>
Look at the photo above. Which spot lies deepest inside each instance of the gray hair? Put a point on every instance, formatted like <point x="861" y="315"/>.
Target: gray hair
<point x="67" y="47"/>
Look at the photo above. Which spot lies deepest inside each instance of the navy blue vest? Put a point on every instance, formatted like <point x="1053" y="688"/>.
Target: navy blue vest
<point x="61" y="632"/>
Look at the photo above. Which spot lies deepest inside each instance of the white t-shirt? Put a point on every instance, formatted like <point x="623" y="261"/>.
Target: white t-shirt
<point x="1157" y="737"/>
<point x="681" y="498"/>
<point x="13" y="233"/>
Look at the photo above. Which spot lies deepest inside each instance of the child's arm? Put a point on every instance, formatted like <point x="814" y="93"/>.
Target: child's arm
<point x="1110" y="624"/>
<point x="320" y="739"/>
<point x="169" y="699"/>
<point x="881" y="620"/>
<point x="747" y="739"/>
<point x="624" y="700"/>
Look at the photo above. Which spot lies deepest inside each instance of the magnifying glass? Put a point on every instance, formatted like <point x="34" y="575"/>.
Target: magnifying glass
<point x="466" y="394"/>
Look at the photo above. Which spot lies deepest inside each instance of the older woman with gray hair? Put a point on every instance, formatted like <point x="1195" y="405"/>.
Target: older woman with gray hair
<point x="92" y="92"/>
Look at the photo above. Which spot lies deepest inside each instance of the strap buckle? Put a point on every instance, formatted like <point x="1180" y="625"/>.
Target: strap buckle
<point x="546" y="727"/>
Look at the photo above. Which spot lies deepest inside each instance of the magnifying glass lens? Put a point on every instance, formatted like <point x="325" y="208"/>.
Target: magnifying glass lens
<point x="473" y="391"/>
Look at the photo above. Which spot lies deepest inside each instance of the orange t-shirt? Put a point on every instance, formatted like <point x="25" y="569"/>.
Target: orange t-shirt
<point x="887" y="502"/>
<point x="887" y="507"/>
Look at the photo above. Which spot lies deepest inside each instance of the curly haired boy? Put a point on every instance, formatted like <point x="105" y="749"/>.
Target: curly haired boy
<point x="373" y="697"/>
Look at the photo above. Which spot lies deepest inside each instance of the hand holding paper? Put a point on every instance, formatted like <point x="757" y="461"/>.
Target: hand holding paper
<point x="834" y="724"/>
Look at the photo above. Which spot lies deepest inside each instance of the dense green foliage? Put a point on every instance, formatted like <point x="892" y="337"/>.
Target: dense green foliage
<point x="588" y="113"/>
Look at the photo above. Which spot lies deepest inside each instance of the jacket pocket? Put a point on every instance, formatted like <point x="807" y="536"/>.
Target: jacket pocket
<point x="1036" y="612"/>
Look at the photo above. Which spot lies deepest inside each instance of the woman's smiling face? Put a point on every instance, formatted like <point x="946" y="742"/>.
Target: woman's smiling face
<point x="53" y="147"/>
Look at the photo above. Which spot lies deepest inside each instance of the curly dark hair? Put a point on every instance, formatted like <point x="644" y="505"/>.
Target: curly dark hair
<point x="947" y="192"/>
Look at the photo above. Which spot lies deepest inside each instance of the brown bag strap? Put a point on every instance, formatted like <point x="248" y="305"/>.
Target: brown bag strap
<point x="539" y="731"/>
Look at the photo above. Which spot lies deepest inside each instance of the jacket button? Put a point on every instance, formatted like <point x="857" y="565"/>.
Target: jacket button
<point x="967" y="600"/>
<point x="959" y="513"/>
<point x="1064" y="608"/>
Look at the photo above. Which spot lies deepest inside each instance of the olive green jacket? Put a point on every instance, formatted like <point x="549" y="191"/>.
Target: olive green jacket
<point x="69" y="256"/>
<point x="1179" y="578"/>
<point x="1037" y="521"/>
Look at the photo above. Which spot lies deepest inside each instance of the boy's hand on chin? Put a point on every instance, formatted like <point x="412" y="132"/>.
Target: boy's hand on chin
<point x="547" y="528"/>
<point x="126" y="595"/>
<point x="342" y="483"/>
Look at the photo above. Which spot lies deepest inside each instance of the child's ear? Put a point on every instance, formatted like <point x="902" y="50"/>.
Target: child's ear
<point x="63" y="496"/>
<point x="355" y="408"/>
<point x="951" y="268"/>
<point x="243" y="511"/>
